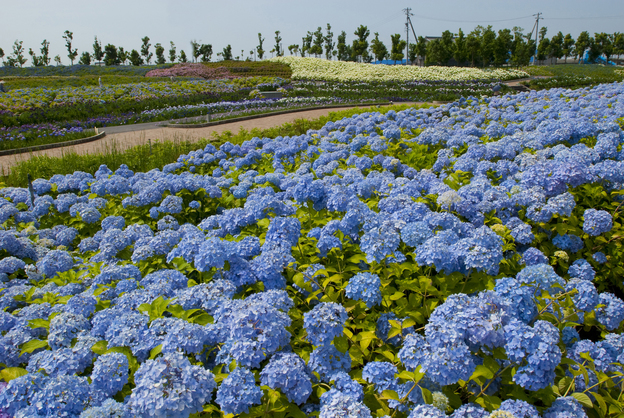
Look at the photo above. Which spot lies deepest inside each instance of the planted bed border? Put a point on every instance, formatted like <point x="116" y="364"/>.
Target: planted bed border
<point x="54" y="145"/>
<point x="261" y="115"/>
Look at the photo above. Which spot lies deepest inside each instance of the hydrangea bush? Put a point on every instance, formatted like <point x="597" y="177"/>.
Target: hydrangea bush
<point x="459" y="261"/>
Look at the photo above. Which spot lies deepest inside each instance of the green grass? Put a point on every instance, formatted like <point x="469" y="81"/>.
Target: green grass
<point x="140" y="158"/>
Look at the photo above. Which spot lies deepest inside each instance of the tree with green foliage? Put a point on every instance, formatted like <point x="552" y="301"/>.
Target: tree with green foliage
<point x="172" y="52"/>
<point x="259" y="47"/>
<point x="502" y="47"/>
<point x="227" y="53"/>
<point x="618" y="43"/>
<point x="98" y="53"/>
<point x="606" y="43"/>
<point x="329" y="42"/>
<point x="568" y="47"/>
<point x="543" y="47"/>
<point x="145" y="52"/>
<point x="306" y="44"/>
<point x="412" y="53"/>
<point x="460" y="52"/>
<point x="183" y="56"/>
<point x="278" y="44"/>
<point x="488" y="39"/>
<point x="360" y="45"/>
<point x="293" y="49"/>
<point x="1" y="53"/>
<point x="160" y="54"/>
<point x="434" y="53"/>
<point x="581" y="44"/>
<point x="556" y="46"/>
<point x="34" y="58"/>
<point x="594" y="51"/>
<point x="57" y="60"/>
<point x="341" y="47"/>
<point x="521" y="51"/>
<point x="421" y="47"/>
<point x="447" y="47"/>
<point x="110" y="55"/>
<point x="122" y="55"/>
<point x="135" y="58"/>
<point x="398" y="45"/>
<point x="72" y="53"/>
<point x="17" y="59"/>
<point x="205" y="51"/>
<point x="44" y="58"/>
<point x="85" y="58"/>
<point x="473" y="45"/>
<point x="316" y="47"/>
<point x="195" y="47"/>
<point x="379" y="50"/>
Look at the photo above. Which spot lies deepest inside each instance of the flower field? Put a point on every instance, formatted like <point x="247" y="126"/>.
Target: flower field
<point x="460" y="261"/>
<point x="321" y="69"/>
<point x="21" y="100"/>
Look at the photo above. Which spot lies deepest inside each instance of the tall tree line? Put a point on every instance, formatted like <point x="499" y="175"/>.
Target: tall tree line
<point x="482" y="47"/>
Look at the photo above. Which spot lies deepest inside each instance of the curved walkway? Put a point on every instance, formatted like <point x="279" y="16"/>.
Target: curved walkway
<point x="124" y="137"/>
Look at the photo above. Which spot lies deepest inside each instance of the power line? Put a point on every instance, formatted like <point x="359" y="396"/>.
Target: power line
<point x="472" y="21"/>
<point x="586" y="18"/>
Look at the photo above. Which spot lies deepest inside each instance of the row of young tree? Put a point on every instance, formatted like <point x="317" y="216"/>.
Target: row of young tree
<point x="481" y="47"/>
<point x="112" y="55"/>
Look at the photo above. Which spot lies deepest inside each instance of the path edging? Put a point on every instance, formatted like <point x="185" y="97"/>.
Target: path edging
<point x="54" y="145"/>
<point x="261" y="115"/>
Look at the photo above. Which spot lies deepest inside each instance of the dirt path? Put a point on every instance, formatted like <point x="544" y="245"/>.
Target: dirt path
<point x="125" y="140"/>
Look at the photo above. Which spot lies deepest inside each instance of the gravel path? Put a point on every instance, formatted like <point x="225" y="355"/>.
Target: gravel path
<point x="123" y="137"/>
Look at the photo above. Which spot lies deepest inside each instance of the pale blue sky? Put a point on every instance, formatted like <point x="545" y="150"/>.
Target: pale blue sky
<point x="237" y="22"/>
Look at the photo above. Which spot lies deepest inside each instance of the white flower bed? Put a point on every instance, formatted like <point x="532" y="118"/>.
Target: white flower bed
<point x="321" y="69"/>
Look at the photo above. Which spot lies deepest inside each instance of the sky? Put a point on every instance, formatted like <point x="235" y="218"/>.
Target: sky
<point x="238" y="22"/>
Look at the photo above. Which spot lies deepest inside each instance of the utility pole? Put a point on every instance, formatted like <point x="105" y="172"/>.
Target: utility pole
<point x="537" y="19"/>
<point x="408" y="22"/>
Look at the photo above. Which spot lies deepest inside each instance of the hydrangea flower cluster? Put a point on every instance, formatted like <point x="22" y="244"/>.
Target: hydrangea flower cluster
<point x="193" y="267"/>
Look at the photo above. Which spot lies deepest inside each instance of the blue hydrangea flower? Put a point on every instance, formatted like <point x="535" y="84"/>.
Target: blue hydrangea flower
<point x="344" y="384"/>
<point x="55" y="261"/>
<point x="597" y="222"/>
<point x="110" y="373"/>
<point x="444" y="364"/>
<point x="63" y="395"/>
<point x="365" y="287"/>
<point x="567" y="407"/>
<point x="470" y="410"/>
<point x="599" y="257"/>
<point x="64" y="327"/>
<point x="533" y="256"/>
<point x="586" y="297"/>
<point x="612" y="314"/>
<point x="109" y="409"/>
<point x="380" y="242"/>
<point x="568" y="242"/>
<point x="519" y="408"/>
<point x="535" y="350"/>
<point x="581" y="269"/>
<point x="344" y="406"/>
<point x="326" y="360"/>
<point x="170" y="386"/>
<point x="324" y="322"/>
<point x="287" y="372"/>
<point x="426" y="411"/>
<point x="238" y="392"/>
